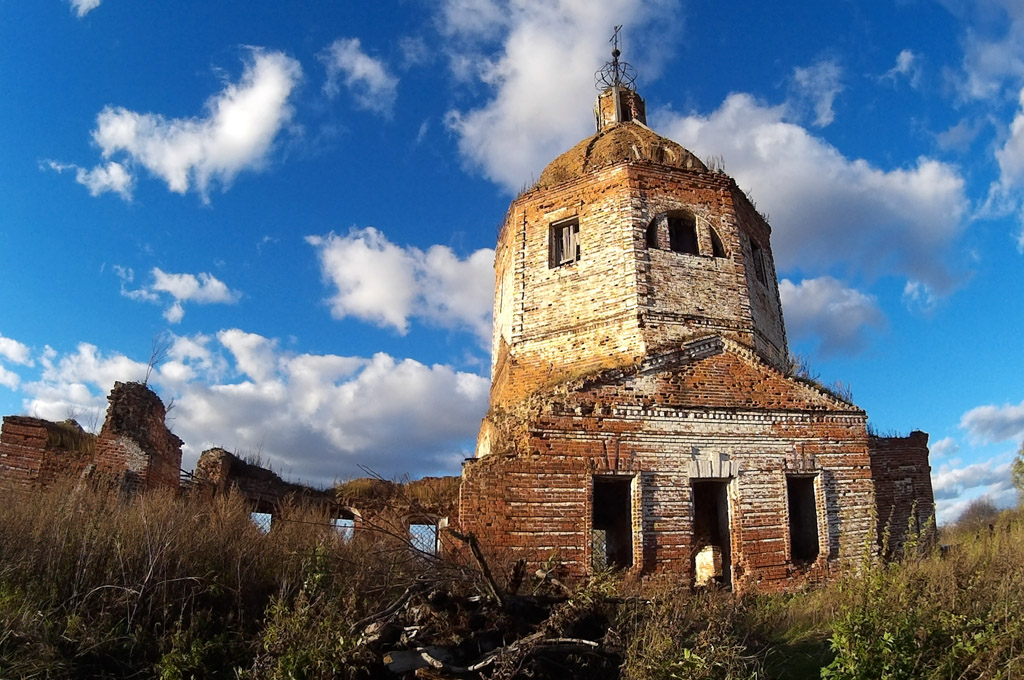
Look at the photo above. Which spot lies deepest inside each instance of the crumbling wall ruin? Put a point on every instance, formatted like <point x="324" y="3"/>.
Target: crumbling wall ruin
<point x="134" y="450"/>
<point x="219" y="472"/>
<point x="371" y="505"/>
<point x="903" y="486"/>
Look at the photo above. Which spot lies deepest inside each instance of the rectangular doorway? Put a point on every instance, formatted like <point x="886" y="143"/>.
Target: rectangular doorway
<point x="803" y="519"/>
<point x="711" y="522"/>
<point x="612" y="538"/>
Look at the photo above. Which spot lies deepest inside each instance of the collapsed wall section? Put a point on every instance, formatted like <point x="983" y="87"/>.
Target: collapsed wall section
<point x="219" y="471"/>
<point x="903" y="486"/>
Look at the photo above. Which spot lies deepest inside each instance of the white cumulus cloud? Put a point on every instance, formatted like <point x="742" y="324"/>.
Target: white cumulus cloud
<point x="108" y="177"/>
<point x="541" y="82"/>
<point x="83" y="7"/>
<point x="826" y="209"/>
<point x="235" y="132"/>
<point x="908" y="66"/>
<point x="993" y="47"/>
<point x="14" y="351"/>
<point x="956" y="487"/>
<point x="386" y="284"/>
<point x="367" y="79"/>
<point x="836" y="315"/>
<point x="316" y="417"/>
<point x="944" y="448"/>
<point x="990" y="423"/>
<point x="76" y="384"/>
<point x="202" y="288"/>
<point x="1004" y="195"/>
<point x="819" y="84"/>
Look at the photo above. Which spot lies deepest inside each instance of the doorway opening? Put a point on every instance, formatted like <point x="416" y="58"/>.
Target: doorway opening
<point x="711" y="522"/>
<point x="612" y="537"/>
<point x="803" y="519"/>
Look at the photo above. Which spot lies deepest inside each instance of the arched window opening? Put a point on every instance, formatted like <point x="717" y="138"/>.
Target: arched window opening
<point x="652" y="233"/>
<point x="682" y="233"/>
<point x="717" y="249"/>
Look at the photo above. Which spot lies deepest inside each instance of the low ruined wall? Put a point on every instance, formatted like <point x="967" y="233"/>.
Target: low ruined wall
<point x="30" y="457"/>
<point x="219" y="471"/>
<point x="903" y="485"/>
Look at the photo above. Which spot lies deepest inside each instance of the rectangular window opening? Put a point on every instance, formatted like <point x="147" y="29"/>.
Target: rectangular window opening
<point x="424" y="537"/>
<point x="803" y="519"/>
<point x="711" y="530"/>
<point x="612" y="539"/>
<point x="262" y="520"/>
<point x="564" y="243"/>
<point x="759" y="266"/>
<point x="346" y="527"/>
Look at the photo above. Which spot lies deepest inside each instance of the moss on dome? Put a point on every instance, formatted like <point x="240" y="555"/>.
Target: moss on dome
<point x="617" y="143"/>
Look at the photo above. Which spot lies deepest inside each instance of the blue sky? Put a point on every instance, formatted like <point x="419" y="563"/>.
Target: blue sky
<point x="301" y="200"/>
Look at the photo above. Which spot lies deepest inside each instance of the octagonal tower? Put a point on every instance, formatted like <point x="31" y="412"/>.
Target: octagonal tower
<point x="627" y="245"/>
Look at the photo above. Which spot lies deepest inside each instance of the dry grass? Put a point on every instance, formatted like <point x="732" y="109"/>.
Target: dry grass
<point x="94" y="585"/>
<point x="70" y="436"/>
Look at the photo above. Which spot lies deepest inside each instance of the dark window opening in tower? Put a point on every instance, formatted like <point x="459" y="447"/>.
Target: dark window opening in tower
<point x="717" y="249"/>
<point x="563" y="245"/>
<point x="759" y="268"/>
<point x="682" y="234"/>
<point x="803" y="519"/>
<point x="652" y="234"/>
<point x="612" y="538"/>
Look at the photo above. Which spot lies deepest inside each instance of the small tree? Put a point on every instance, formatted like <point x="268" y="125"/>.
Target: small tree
<point x="1017" y="474"/>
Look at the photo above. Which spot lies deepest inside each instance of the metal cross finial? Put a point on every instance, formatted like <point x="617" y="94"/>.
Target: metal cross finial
<point x="615" y="73"/>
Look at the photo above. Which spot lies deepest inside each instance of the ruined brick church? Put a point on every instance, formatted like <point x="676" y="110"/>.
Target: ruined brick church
<point x="643" y="414"/>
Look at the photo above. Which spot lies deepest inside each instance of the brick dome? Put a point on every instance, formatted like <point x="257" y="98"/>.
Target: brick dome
<point x="615" y="143"/>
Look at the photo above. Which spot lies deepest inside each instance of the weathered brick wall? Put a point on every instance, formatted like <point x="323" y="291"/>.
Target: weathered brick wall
<point x="764" y="300"/>
<point x="219" y="471"/>
<point x="585" y="310"/>
<point x="621" y="299"/>
<point x="682" y="295"/>
<point x="29" y="456"/>
<point x="666" y="427"/>
<point x="630" y="107"/>
<point x="134" y="440"/>
<point x="903" y="485"/>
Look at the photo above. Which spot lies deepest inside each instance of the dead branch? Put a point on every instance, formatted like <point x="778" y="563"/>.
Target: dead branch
<point x="478" y="554"/>
<point x="438" y="657"/>
<point x="393" y="608"/>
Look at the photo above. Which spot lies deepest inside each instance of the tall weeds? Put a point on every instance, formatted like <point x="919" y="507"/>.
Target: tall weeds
<point x="93" y="585"/>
